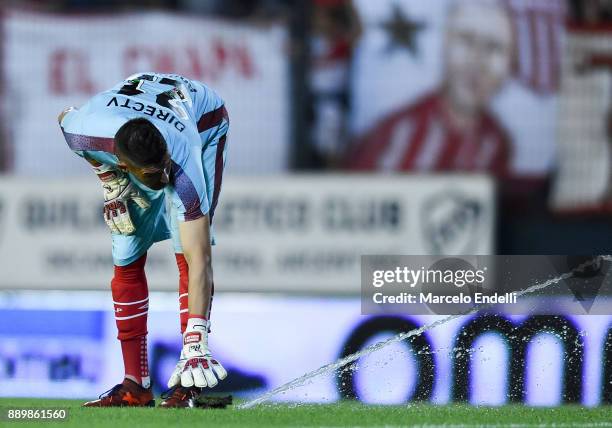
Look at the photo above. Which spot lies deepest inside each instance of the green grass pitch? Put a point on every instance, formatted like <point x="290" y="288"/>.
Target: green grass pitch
<point x="350" y="414"/>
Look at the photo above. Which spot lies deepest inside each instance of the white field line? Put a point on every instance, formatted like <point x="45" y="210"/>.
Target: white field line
<point x="509" y="425"/>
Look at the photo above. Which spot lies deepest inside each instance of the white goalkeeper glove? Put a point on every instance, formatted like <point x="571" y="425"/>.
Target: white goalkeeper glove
<point x="196" y="366"/>
<point x="118" y="191"/>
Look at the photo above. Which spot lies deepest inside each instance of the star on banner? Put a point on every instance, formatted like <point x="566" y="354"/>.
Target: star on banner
<point x="402" y="31"/>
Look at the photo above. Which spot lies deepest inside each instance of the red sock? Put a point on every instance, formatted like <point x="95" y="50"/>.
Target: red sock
<point x="183" y="269"/>
<point x="136" y="360"/>
<point x="131" y="300"/>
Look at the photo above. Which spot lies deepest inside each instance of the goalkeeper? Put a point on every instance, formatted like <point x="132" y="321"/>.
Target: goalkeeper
<point x="158" y="143"/>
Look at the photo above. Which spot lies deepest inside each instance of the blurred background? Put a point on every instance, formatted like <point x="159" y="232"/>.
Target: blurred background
<point x="357" y="127"/>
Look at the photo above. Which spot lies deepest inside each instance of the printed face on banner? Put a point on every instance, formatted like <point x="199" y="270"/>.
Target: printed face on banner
<point x="477" y="54"/>
<point x="462" y="88"/>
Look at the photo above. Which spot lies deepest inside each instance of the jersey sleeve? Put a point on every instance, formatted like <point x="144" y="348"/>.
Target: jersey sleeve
<point x="86" y="140"/>
<point x="209" y="108"/>
<point x="188" y="192"/>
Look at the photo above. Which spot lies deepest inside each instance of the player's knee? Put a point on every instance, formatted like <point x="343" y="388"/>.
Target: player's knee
<point x="133" y="272"/>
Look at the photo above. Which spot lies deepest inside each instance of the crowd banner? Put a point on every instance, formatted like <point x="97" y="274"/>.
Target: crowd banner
<point x="50" y="62"/>
<point x="457" y="85"/>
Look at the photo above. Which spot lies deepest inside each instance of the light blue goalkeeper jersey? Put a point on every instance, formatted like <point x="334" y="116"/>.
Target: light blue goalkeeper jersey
<point x="193" y="121"/>
<point x="188" y="114"/>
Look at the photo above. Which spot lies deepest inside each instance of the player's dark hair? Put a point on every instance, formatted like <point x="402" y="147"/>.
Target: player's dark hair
<point x="141" y="142"/>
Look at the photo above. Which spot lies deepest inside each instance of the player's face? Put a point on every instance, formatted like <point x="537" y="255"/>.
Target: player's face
<point x="478" y="53"/>
<point x="154" y="177"/>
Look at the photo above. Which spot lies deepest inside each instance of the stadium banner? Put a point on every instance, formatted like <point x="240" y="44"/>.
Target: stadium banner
<point x="457" y="85"/>
<point x="584" y="123"/>
<point x="483" y="359"/>
<point x="72" y="57"/>
<point x="303" y="233"/>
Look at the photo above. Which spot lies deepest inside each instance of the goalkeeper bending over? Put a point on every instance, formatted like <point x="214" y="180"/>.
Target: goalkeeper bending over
<point x="157" y="142"/>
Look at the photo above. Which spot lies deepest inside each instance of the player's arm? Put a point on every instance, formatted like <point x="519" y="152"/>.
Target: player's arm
<point x="195" y="240"/>
<point x="196" y="365"/>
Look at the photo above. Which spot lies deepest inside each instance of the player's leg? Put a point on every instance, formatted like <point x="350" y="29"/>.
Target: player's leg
<point x="183" y="269"/>
<point x="183" y="289"/>
<point x="129" y="285"/>
<point x="131" y="301"/>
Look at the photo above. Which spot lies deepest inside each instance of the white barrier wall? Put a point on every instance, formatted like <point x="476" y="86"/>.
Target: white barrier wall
<point x="63" y="344"/>
<point x="286" y="233"/>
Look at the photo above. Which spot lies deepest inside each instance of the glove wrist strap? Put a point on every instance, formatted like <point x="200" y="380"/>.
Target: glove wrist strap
<point x="197" y="323"/>
<point x="106" y="172"/>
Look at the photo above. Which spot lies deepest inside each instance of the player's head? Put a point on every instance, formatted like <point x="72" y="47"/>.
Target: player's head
<point x="478" y="52"/>
<point x="142" y="150"/>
